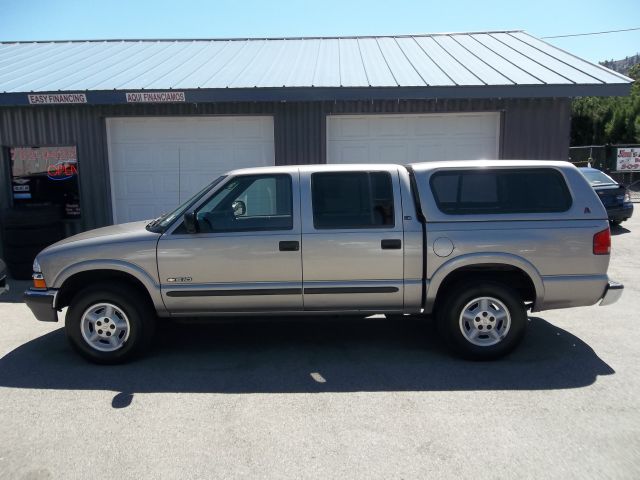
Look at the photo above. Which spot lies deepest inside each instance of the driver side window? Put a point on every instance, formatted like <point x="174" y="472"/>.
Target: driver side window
<point x="249" y="203"/>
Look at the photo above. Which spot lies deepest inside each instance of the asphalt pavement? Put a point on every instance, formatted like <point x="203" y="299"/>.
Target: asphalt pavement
<point x="330" y="398"/>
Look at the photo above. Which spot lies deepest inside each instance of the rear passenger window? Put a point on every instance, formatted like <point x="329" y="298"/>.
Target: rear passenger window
<point x="344" y="200"/>
<point x="498" y="191"/>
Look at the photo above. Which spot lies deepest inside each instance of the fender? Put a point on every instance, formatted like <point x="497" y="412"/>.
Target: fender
<point x="110" y="264"/>
<point x="472" y="259"/>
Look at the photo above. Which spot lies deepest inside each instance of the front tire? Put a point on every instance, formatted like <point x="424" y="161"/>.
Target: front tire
<point x="108" y="324"/>
<point x="483" y="320"/>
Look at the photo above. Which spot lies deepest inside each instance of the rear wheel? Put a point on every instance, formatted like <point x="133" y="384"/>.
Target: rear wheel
<point x="482" y="321"/>
<point x="109" y="324"/>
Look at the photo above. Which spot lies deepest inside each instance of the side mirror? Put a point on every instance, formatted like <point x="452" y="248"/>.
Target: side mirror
<point x="239" y="208"/>
<point x="191" y="222"/>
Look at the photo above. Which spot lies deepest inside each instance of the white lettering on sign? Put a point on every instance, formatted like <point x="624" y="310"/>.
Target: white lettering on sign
<point x="56" y="98"/>
<point x="628" y="159"/>
<point x="155" y="97"/>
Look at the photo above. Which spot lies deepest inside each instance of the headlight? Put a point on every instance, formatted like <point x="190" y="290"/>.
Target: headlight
<point x="627" y="198"/>
<point x="36" y="266"/>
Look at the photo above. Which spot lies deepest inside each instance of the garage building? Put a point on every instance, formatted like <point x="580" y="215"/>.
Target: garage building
<point x="139" y="126"/>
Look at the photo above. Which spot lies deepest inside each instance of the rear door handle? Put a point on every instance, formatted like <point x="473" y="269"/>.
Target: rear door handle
<point x="391" y="244"/>
<point x="290" y="246"/>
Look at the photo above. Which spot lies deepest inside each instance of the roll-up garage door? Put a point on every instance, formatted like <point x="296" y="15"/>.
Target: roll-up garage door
<point x="156" y="163"/>
<point x="401" y="138"/>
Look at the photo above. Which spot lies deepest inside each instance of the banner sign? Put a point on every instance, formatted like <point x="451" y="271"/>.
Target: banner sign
<point x="56" y="98"/>
<point x="155" y="97"/>
<point x="628" y="159"/>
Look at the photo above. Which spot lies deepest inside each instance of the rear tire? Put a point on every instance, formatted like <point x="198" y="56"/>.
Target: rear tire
<point x="109" y="324"/>
<point x="482" y="320"/>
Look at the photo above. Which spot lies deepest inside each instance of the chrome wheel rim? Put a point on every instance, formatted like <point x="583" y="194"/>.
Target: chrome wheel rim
<point x="105" y="327"/>
<point x="485" y="321"/>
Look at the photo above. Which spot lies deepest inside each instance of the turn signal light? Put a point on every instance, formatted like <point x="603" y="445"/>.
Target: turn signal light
<point x="602" y="243"/>
<point x="38" y="281"/>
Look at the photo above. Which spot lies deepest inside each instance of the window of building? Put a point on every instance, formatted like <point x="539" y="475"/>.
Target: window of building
<point x="344" y="200"/>
<point x="46" y="176"/>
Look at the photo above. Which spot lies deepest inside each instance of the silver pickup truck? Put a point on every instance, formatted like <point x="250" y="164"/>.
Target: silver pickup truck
<point x="477" y="243"/>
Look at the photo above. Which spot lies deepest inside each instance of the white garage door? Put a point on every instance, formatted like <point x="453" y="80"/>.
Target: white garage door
<point x="399" y="138"/>
<point x="157" y="163"/>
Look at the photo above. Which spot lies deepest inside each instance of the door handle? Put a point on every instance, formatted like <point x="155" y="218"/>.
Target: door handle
<point x="391" y="244"/>
<point x="292" y="246"/>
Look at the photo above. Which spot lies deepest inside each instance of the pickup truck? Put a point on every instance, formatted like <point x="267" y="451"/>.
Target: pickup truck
<point x="475" y="243"/>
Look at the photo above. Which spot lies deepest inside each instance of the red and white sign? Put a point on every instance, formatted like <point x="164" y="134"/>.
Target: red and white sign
<point x="628" y="159"/>
<point x="155" y="97"/>
<point x="56" y="98"/>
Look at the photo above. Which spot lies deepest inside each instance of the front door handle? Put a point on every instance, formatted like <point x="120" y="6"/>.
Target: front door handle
<point x="289" y="246"/>
<point x="391" y="244"/>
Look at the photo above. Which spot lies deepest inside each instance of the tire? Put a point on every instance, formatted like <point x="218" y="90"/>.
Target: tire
<point x="616" y="222"/>
<point x="499" y="324"/>
<point x="130" y="309"/>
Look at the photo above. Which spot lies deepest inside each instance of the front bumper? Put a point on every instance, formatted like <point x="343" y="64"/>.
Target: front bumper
<point x="41" y="303"/>
<point x="612" y="293"/>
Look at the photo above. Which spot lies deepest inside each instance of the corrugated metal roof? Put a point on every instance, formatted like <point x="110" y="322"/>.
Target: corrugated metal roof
<point x="511" y="58"/>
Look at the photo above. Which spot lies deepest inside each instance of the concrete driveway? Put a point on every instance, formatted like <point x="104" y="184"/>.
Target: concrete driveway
<point x="330" y="398"/>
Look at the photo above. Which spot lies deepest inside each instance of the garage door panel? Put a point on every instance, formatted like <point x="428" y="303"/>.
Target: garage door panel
<point x="392" y="153"/>
<point x="350" y="153"/>
<point x="428" y="151"/>
<point x="156" y="163"/>
<point x="390" y="127"/>
<point x="406" y="138"/>
<point x="254" y="129"/>
<point x="343" y="127"/>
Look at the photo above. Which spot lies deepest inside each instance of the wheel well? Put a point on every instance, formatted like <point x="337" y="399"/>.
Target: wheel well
<point x="80" y="281"/>
<point x="509" y="275"/>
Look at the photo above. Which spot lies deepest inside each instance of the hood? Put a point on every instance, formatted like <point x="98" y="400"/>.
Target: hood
<point x="123" y="232"/>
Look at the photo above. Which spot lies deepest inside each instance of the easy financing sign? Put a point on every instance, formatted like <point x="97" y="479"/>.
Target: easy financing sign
<point x="628" y="160"/>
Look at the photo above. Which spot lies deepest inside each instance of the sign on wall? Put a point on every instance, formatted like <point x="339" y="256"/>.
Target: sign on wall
<point x="628" y="159"/>
<point x="46" y="176"/>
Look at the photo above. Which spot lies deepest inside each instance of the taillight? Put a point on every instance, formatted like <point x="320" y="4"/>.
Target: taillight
<point x="602" y="243"/>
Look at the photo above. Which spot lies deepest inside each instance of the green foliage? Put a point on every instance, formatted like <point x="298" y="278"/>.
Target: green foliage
<point x="602" y="120"/>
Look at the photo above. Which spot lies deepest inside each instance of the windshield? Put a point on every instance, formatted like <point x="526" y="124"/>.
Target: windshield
<point x="596" y="177"/>
<point x="161" y="223"/>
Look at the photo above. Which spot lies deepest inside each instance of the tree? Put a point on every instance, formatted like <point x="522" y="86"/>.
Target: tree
<point x="602" y="120"/>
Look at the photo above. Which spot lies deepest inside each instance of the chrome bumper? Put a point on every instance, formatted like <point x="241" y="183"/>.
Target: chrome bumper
<point x="612" y="293"/>
<point x="41" y="304"/>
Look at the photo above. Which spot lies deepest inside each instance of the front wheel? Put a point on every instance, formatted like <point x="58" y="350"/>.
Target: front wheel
<point x="482" y="321"/>
<point x="108" y="324"/>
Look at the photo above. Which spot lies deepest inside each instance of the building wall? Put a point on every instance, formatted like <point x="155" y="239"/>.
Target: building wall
<point x="531" y="129"/>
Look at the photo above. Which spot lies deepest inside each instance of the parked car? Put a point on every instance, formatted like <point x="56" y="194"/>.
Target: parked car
<point x="4" y="283"/>
<point x="614" y="196"/>
<point x="478" y="243"/>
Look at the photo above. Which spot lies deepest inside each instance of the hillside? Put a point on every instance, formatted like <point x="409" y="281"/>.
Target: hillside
<point x="622" y="66"/>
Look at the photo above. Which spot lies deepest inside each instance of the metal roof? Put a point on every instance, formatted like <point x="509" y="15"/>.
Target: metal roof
<point x="436" y="65"/>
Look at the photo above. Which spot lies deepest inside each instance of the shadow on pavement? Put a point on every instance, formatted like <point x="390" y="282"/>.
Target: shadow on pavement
<point x="296" y="356"/>
<point x="619" y="230"/>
